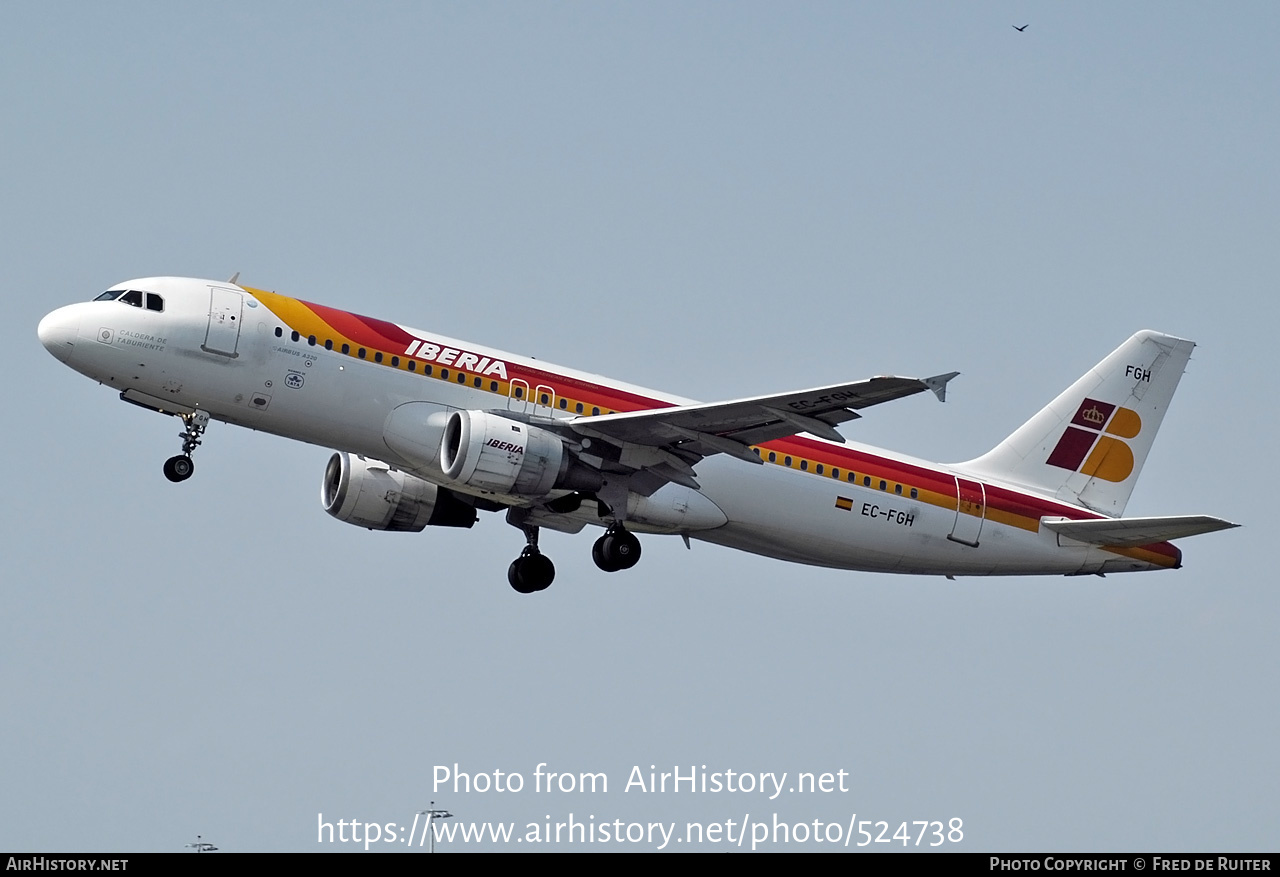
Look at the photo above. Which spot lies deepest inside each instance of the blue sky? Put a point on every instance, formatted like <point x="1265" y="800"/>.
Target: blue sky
<point x="714" y="200"/>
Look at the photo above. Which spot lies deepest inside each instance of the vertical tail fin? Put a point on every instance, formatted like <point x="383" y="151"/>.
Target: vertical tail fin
<point x="1088" y="445"/>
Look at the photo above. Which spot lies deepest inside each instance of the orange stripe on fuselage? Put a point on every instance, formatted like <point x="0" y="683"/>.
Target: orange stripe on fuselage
<point x="933" y="487"/>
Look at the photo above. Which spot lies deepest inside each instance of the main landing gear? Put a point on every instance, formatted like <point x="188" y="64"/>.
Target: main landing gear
<point x="617" y="549"/>
<point x="181" y="467"/>
<point x="533" y="571"/>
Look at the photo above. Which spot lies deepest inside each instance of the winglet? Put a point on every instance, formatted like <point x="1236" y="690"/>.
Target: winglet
<point x="938" y="383"/>
<point x="234" y="278"/>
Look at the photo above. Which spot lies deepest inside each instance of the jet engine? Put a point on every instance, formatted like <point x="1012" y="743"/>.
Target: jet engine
<point x="369" y="493"/>
<point x="493" y="453"/>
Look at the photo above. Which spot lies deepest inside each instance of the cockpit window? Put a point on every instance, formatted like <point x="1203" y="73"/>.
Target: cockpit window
<point x="134" y="297"/>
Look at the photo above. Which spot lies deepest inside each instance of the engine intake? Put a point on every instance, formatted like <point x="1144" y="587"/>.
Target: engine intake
<point x="369" y="493"/>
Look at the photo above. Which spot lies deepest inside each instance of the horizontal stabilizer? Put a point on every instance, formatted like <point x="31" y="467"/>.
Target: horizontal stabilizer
<point x="1135" y="531"/>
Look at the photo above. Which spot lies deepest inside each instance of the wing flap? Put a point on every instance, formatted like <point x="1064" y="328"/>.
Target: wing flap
<point x="1122" y="532"/>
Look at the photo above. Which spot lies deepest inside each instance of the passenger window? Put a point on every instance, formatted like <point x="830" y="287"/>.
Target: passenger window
<point x="328" y="344"/>
<point x="311" y="339"/>
<point x="154" y="302"/>
<point x="377" y="357"/>
<point x="346" y="348"/>
<point x="279" y="332"/>
<point x="294" y="336"/>
<point x="578" y="407"/>
<point x="413" y="365"/>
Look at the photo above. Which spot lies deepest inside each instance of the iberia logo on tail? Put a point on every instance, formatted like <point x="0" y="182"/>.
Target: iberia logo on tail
<point x="1093" y="443"/>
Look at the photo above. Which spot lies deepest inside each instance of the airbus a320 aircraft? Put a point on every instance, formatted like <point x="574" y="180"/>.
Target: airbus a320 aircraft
<point x="429" y="430"/>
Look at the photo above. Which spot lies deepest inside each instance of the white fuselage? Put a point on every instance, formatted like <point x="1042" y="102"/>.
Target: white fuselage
<point x="231" y="351"/>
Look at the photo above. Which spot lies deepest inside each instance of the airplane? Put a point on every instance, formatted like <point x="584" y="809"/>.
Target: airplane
<point x="430" y="431"/>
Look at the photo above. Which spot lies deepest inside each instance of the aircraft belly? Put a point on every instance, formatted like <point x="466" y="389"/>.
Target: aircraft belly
<point x="819" y="526"/>
<point x="847" y="526"/>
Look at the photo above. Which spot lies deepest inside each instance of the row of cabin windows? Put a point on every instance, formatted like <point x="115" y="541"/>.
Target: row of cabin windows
<point x="412" y="365"/>
<point x="851" y="477"/>
<point x="545" y="399"/>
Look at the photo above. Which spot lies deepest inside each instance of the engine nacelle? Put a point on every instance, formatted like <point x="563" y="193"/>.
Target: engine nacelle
<point x="494" y="453"/>
<point x="369" y="493"/>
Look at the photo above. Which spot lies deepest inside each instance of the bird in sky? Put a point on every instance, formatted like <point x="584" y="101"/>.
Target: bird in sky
<point x="1020" y="29"/>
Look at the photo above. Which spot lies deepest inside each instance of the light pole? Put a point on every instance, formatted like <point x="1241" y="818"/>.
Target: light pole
<point x="432" y="815"/>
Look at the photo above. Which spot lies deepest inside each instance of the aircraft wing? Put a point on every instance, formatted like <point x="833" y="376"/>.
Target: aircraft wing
<point x="683" y="434"/>
<point x="1122" y="532"/>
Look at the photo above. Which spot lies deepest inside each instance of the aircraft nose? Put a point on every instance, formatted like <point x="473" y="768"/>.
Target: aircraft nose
<point x="58" y="331"/>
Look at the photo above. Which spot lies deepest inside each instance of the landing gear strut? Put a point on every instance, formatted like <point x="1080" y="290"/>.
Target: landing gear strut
<point x="181" y="467"/>
<point x="532" y="570"/>
<point x="617" y="549"/>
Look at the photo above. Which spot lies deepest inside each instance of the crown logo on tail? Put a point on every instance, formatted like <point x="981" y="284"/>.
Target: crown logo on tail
<point x="1088" y="451"/>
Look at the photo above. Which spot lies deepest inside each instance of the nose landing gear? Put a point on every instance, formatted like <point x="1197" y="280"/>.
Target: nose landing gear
<point x="181" y="467"/>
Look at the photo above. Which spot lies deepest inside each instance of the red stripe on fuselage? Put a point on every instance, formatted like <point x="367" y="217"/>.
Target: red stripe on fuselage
<point x="365" y="331"/>
<point x="391" y="339"/>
